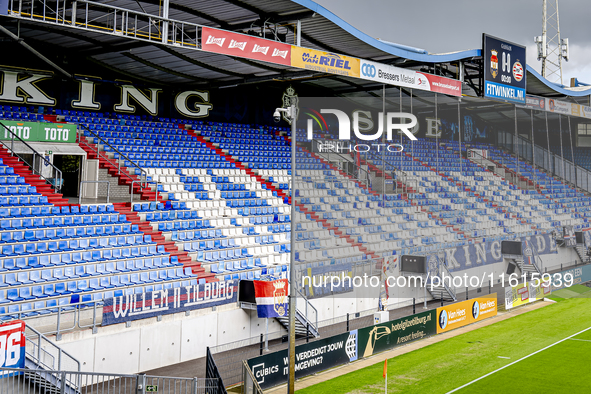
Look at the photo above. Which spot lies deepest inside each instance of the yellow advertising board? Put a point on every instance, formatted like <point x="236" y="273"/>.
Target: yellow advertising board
<point x="524" y="293"/>
<point x="326" y="62"/>
<point x="462" y="313"/>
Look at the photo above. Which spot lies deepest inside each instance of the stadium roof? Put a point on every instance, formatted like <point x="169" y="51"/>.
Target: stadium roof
<point x="155" y="63"/>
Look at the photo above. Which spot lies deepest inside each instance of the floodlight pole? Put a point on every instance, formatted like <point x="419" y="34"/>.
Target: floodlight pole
<point x="292" y="279"/>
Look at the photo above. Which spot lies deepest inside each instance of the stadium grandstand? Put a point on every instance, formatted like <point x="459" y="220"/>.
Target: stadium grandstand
<point x="145" y="185"/>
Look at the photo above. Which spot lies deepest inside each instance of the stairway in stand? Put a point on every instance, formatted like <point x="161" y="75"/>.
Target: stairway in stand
<point x="122" y="173"/>
<point x="24" y="170"/>
<point x="144" y="226"/>
<point x="251" y="173"/>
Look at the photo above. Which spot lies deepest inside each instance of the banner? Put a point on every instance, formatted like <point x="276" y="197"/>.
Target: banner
<point x="472" y="255"/>
<point x="587" y="237"/>
<point x="504" y="69"/>
<point x="272" y="369"/>
<point x="396" y="76"/>
<point x="326" y="62"/>
<point x="316" y="281"/>
<point x="164" y="302"/>
<point x="461" y="314"/>
<point x="524" y="293"/>
<point x="271" y="298"/>
<point x="39" y="132"/>
<point x="580" y="275"/>
<point x="12" y="346"/>
<point x="570" y="239"/>
<point x="242" y="45"/>
<point x="385" y="336"/>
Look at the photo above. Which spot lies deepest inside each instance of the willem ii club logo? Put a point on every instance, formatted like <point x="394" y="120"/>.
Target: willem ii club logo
<point x="279" y="298"/>
<point x="494" y="63"/>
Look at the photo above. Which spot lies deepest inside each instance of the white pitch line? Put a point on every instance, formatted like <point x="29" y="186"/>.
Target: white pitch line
<point x="583" y="340"/>
<point x="516" y="361"/>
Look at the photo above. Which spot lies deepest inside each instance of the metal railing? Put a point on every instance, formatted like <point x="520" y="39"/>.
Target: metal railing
<point x="444" y="271"/>
<point x="82" y="189"/>
<point x="47" y="355"/>
<point x="509" y="174"/>
<point x="108" y="19"/>
<point x="143" y="177"/>
<point x="404" y="178"/>
<point x="26" y="381"/>
<point x="556" y="166"/>
<point x="307" y="311"/>
<point x="250" y="385"/>
<point x="57" y="181"/>
<point x="360" y="174"/>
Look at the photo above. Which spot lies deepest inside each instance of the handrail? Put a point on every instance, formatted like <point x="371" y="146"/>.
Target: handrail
<point x="443" y="269"/>
<point x="404" y="179"/>
<point x="58" y="183"/>
<point x="143" y="183"/>
<point x="255" y="383"/>
<point x="46" y="342"/>
<point x="551" y="158"/>
<point x="362" y="179"/>
<point x="315" y="322"/>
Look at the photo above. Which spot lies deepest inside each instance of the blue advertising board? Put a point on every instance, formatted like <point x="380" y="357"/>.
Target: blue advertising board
<point x="130" y="307"/>
<point x="504" y="69"/>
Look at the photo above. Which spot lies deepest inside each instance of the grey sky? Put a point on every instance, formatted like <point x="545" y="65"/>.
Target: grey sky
<point x="452" y="25"/>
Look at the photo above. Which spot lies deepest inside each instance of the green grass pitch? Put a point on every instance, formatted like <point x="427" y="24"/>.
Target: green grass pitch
<point x="454" y="362"/>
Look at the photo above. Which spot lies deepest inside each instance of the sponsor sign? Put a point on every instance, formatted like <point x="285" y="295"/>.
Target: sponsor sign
<point x="326" y="62"/>
<point x="560" y="107"/>
<point x="272" y="369"/>
<point x="39" y="132"/>
<point x="504" y="70"/>
<point x="164" y="302"/>
<point x="12" y="346"/>
<point x="242" y="45"/>
<point x="385" y="336"/>
<point x="524" y="293"/>
<point x="535" y="102"/>
<point x="478" y="154"/>
<point x="460" y="314"/>
<point x="579" y="274"/>
<point x="316" y="281"/>
<point x="557" y="106"/>
<point x="391" y="75"/>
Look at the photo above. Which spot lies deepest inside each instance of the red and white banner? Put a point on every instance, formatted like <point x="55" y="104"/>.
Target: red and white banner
<point x="242" y="45"/>
<point x="391" y="75"/>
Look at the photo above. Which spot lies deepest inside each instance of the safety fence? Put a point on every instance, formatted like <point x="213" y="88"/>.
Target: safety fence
<point x="28" y="381"/>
